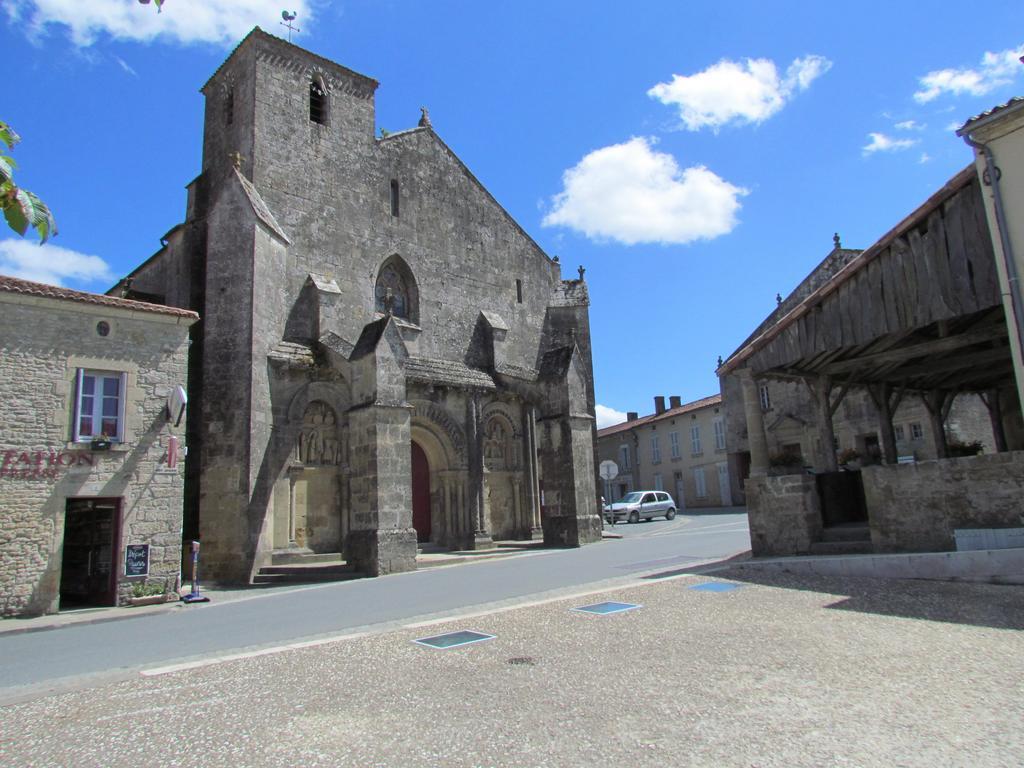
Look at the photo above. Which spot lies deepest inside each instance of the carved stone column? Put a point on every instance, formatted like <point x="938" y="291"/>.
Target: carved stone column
<point x="531" y="475"/>
<point x="475" y="453"/>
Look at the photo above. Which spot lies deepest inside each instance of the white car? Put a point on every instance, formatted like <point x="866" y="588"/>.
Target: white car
<point x="641" y="505"/>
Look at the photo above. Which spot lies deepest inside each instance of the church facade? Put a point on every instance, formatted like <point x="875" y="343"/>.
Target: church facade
<point x="384" y="357"/>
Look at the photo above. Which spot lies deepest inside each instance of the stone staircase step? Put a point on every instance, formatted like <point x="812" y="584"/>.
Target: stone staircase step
<point x="299" y="568"/>
<point x="826" y="548"/>
<point x="846" y="533"/>
<point x="298" y="557"/>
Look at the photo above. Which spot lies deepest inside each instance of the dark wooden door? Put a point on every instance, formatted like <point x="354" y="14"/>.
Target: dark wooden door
<point x="88" y="567"/>
<point x="420" y="493"/>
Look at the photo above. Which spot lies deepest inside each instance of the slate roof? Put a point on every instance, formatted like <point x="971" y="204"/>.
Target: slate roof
<point x="446" y="372"/>
<point x="668" y="414"/>
<point x="29" y="288"/>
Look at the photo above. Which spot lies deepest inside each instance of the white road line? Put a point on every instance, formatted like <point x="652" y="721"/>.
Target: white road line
<point x="248" y="654"/>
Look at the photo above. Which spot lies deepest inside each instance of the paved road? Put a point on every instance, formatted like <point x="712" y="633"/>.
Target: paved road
<point x="38" y="662"/>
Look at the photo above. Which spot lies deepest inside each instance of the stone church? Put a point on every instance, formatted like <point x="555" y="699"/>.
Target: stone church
<point x="385" y="357"/>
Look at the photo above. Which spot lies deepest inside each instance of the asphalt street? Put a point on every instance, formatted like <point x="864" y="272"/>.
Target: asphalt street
<point x="36" y="663"/>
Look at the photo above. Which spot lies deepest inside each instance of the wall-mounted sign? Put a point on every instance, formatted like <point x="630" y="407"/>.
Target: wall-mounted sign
<point x="47" y="464"/>
<point x="136" y="560"/>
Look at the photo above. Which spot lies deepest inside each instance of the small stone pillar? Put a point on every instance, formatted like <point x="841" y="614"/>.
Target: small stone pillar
<point x="756" y="438"/>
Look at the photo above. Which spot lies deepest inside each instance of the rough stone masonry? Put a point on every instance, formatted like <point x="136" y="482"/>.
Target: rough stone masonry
<point x="385" y="358"/>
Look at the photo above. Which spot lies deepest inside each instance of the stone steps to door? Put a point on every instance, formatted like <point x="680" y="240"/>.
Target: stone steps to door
<point x="849" y="532"/>
<point x="304" y="568"/>
<point x="825" y="548"/>
<point x="303" y="557"/>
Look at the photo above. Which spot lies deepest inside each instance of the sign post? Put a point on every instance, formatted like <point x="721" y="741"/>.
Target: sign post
<point x="194" y="596"/>
<point x="609" y="470"/>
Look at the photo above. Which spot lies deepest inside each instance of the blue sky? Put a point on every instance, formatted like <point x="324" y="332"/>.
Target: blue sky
<point x="696" y="158"/>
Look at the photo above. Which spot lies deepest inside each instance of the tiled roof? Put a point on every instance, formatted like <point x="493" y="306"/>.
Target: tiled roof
<point x="1015" y="101"/>
<point x="447" y="372"/>
<point x="29" y="288"/>
<point x="671" y="413"/>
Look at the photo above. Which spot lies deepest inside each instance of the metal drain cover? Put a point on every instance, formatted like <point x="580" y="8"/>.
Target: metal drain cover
<point x="715" y="586"/>
<point x="607" y="607"/>
<point x="522" y="661"/>
<point x="454" y="639"/>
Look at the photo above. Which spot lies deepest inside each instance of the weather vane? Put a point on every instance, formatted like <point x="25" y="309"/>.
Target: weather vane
<point x="159" y="4"/>
<point x="288" y="19"/>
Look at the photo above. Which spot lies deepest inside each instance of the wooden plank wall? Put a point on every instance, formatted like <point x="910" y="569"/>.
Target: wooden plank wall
<point x="942" y="268"/>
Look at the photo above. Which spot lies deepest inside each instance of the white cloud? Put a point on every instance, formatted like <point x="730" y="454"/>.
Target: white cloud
<point x="51" y="264"/>
<point x="882" y="143"/>
<point x="184" y="21"/>
<point x="630" y="193"/>
<point x="741" y="92"/>
<point x="910" y="125"/>
<point x="925" y="158"/>
<point x="606" y="416"/>
<point x="955" y="126"/>
<point x="995" y="70"/>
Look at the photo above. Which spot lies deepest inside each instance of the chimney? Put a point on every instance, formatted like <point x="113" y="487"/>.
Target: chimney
<point x="632" y="416"/>
<point x="659" y="404"/>
<point x="675" y="402"/>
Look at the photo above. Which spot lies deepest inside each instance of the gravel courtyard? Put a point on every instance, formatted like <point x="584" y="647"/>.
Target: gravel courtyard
<point x="781" y="671"/>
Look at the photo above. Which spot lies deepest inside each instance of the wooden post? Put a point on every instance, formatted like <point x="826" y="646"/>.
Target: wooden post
<point x="886" y="402"/>
<point x="938" y="402"/>
<point x="756" y="438"/>
<point x="995" y="415"/>
<point x="821" y="388"/>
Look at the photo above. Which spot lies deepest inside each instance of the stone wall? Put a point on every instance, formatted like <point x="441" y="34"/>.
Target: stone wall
<point x="784" y="513"/>
<point x="916" y="507"/>
<point x="42" y="345"/>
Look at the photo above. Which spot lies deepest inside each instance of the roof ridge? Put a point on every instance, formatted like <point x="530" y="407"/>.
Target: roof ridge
<point x="18" y="285"/>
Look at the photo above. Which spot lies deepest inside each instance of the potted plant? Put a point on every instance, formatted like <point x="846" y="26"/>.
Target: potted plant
<point x="849" y="458"/>
<point x="100" y="443"/>
<point x="785" y="462"/>
<point x="957" y="448"/>
<point x="148" y="593"/>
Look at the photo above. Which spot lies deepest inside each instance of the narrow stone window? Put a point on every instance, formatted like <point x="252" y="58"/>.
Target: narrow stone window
<point x="395" y="292"/>
<point x="519" y="291"/>
<point x="229" y="106"/>
<point x="318" y="101"/>
<point x="394" y="198"/>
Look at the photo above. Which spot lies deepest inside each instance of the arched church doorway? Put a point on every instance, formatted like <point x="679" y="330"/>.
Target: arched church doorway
<point x="420" y="493"/>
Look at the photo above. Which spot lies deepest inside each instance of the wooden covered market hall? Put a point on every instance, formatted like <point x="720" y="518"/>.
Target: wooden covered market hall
<point x="917" y="316"/>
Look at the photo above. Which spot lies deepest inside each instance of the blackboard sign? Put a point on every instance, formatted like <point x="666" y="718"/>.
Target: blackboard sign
<point x="136" y="560"/>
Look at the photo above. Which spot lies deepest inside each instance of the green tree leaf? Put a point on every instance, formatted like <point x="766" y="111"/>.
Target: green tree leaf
<point x="22" y="209"/>
<point x="17" y="219"/>
<point x="8" y="136"/>
<point x="7" y="166"/>
<point x="42" y="220"/>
